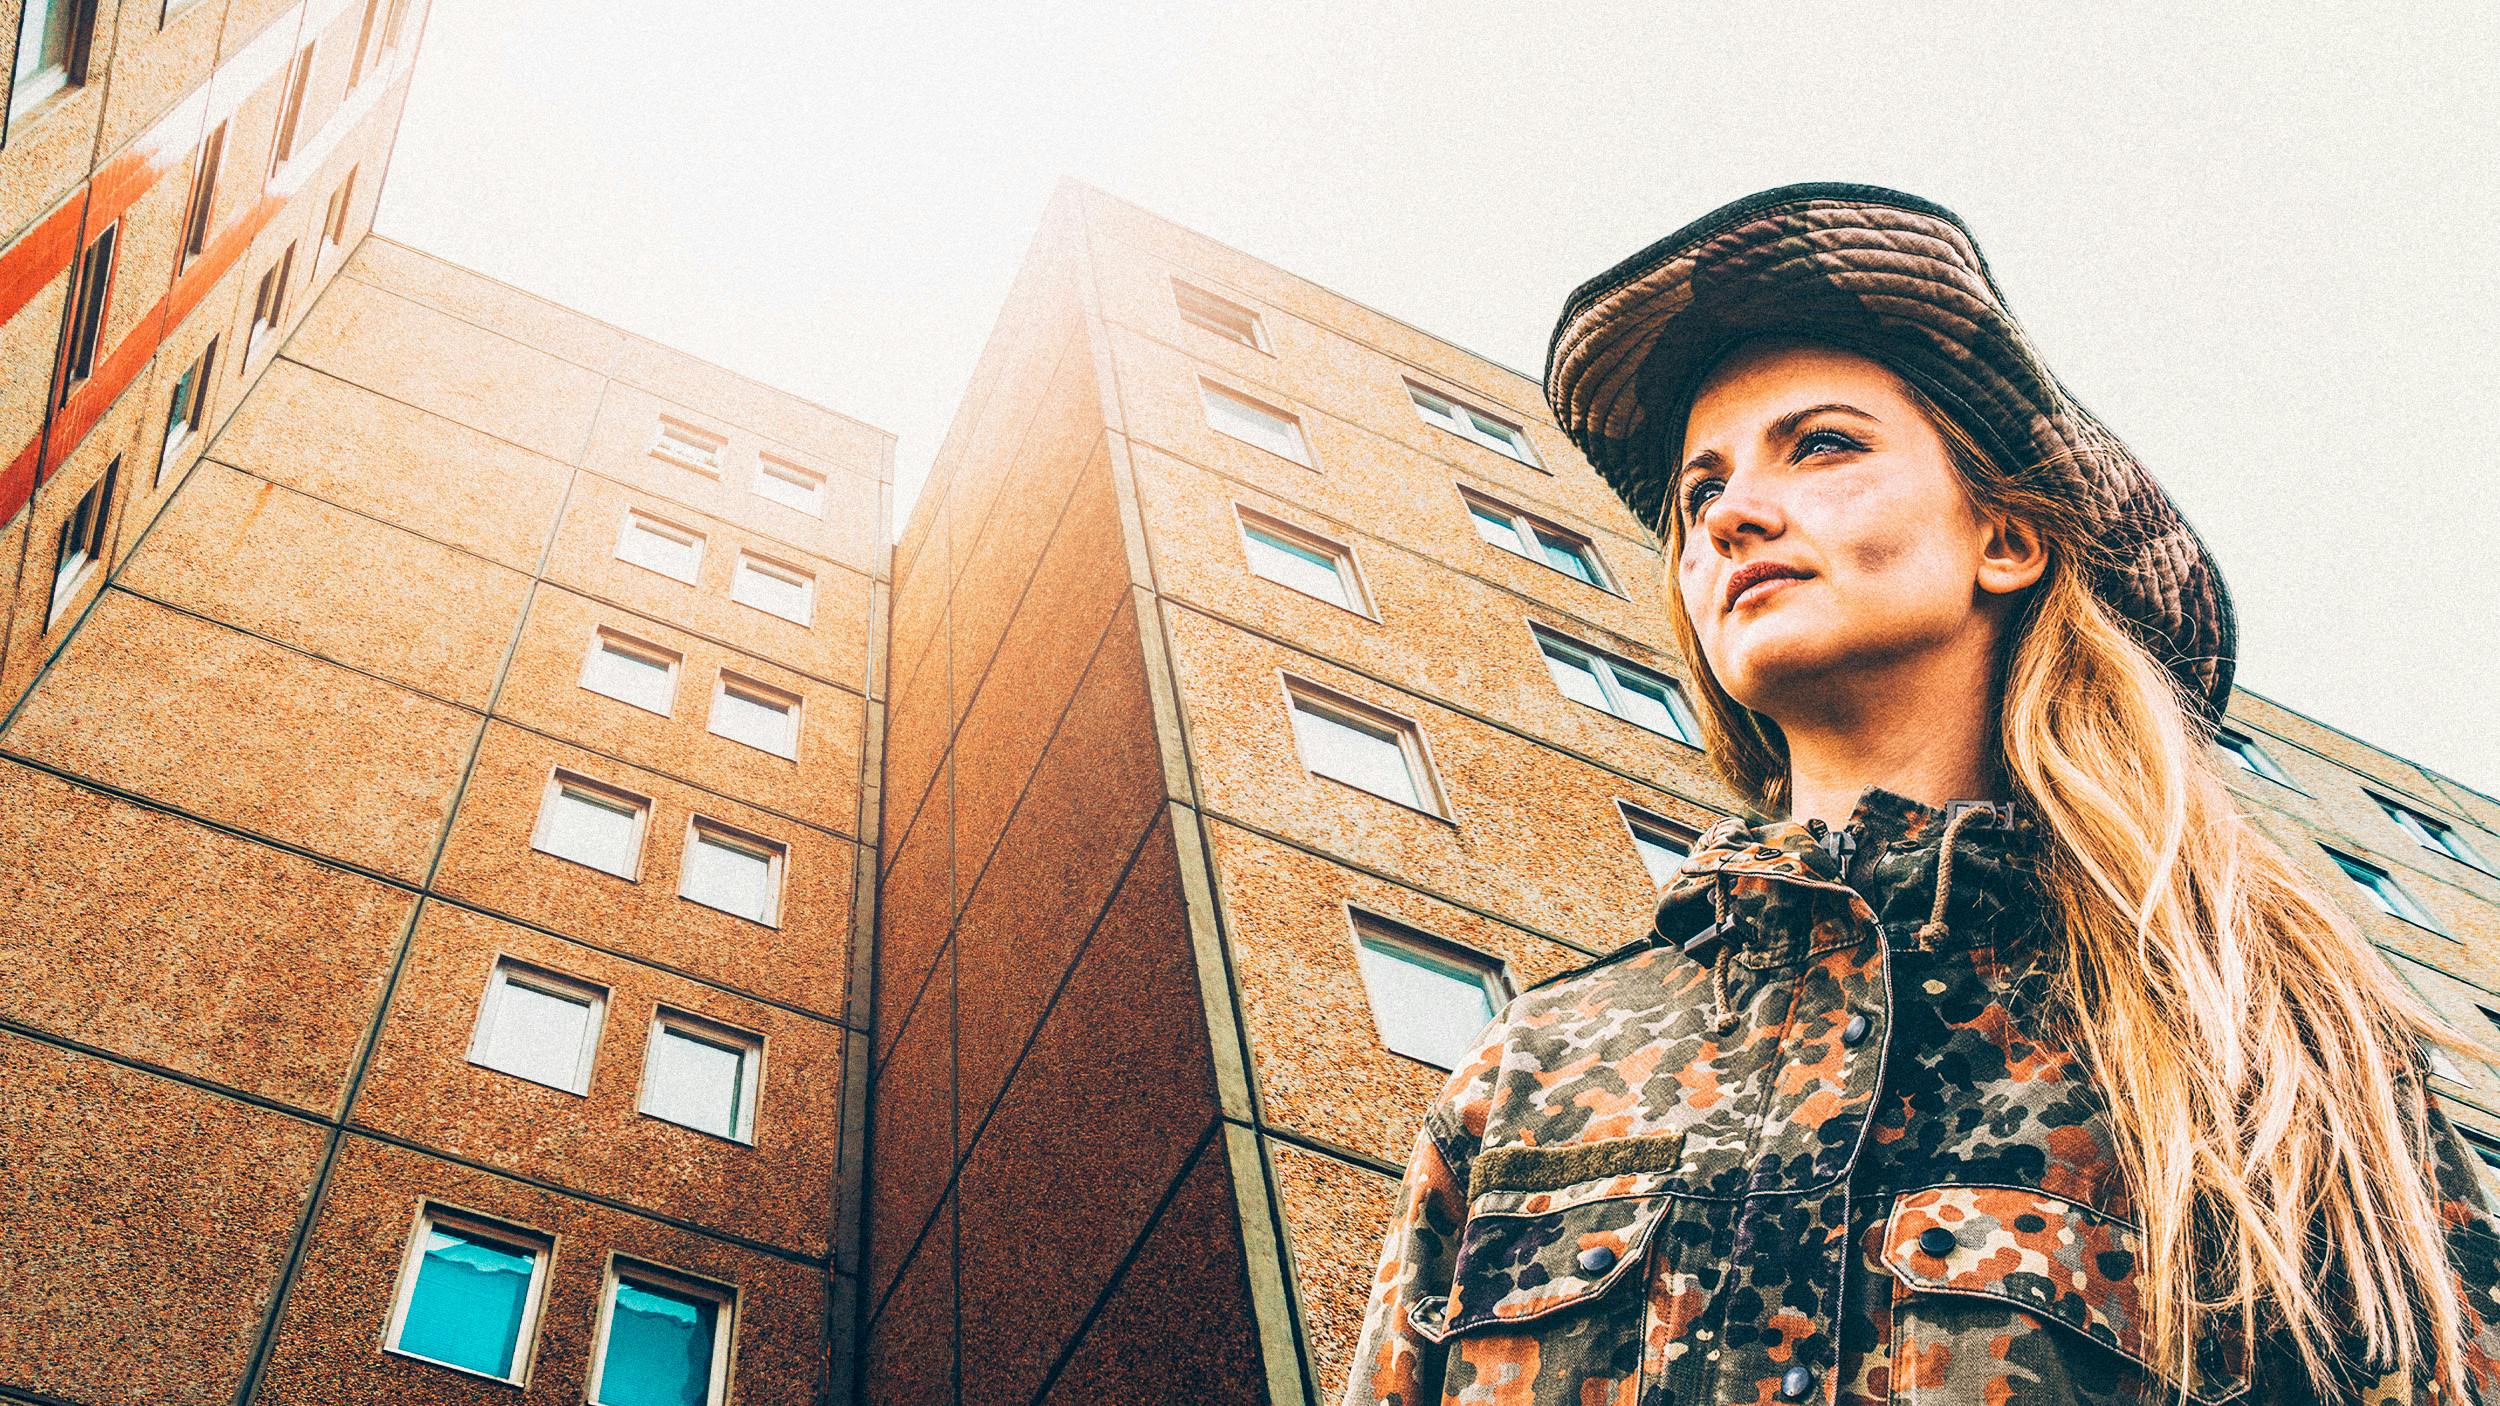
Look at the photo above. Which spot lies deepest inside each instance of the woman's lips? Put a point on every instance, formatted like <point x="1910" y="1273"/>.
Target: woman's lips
<point x="1760" y="589"/>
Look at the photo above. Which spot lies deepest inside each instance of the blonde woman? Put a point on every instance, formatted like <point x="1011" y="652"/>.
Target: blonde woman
<point x="1989" y="1056"/>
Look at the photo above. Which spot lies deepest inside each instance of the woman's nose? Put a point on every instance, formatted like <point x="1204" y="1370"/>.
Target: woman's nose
<point x="1740" y="506"/>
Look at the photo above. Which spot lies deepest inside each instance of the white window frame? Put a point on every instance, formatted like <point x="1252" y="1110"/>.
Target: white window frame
<point x="510" y="971"/>
<point x="1530" y="530"/>
<point x="1639" y="818"/>
<point x="269" y="303"/>
<point x="724" y="1323"/>
<point x="1349" y="568"/>
<point x="802" y="480"/>
<point x="703" y="1029"/>
<point x="77" y="25"/>
<point x="2431" y="832"/>
<point x="1437" y="951"/>
<point x="729" y="681"/>
<point x="90" y="310"/>
<point x="513" y="1238"/>
<point x="1353" y="712"/>
<point x="2250" y="756"/>
<point x="674" y="441"/>
<point x="603" y="638"/>
<point x="667" y="531"/>
<point x="775" y="853"/>
<point x="1209" y="392"/>
<point x="2387" y="895"/>
<point x="183" y="413"/>
<point x="1604" y="667"/>
<point x="560" y="780"/>
<point x="199" y="211"/>
<point x="292" y="88"/>
<point x="79" y="547"/>
<point x="1213" y="316"/>
<point x="1460" y="416"/>
<point x="756" y="563"/>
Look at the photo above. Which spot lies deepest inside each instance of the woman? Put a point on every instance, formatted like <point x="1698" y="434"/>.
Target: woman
<point x="1990" y="1056"/>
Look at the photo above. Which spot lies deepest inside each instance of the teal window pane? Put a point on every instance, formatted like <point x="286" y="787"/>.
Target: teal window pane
<point x="659" y="1350"/>
<point x="1427" y="1007"/>
<point x="1646" y="701"/>
<point x="468" y="1303"/>
<point x="1281" y="559"/>
<point x="1497" y="529"/>
<point x="1575" y="675"/>
<point x="1659" y="854"/>
<point x="1567" y="556"/>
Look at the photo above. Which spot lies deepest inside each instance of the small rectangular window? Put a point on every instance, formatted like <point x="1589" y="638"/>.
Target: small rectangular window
<point x="539" y="1026"/>
<point x="187" y="407"/>
<point x="702" y="1075"/>
<point x="592" y="823"/>
<point x="2440" y="1064"/>
<point x="1430" y="999"/>
<point x="662" y="1339"/>
<point x="780" y="481"/>
<point x="269" y="302"/>
<point x="632" y="671"/>
<point x="655" y="545"/>
<point x="2431" y="832"/>
<point x="1361" y="746"/>
<point x="1662" y="844"/>
<point x="390" y="25"/>
<point x="1221" y="316"/>
<point x="2385" y="893"/>
<point x="291" y="110"/>
<point x="469" y="1294"/>
<point x="1254" y="422"/>
<point x="1313" y="565"/>
<point x="757" y="714"/>
<point x="90" y="294"/>
<point x="52" y="37"/>
<point x="1526" y="535"/>
<point x="342" y="199"/>
<point x="2485" y="1147"/>
<point x="732" y="871"/>
<point x="81" y="543"/>
<point x="2243" y="752"/>
<point x="683" y="444"/>
<point x="1502" y="436"/>
<point x="199" y="214"/>
<point x="364" y="40"/>
<point x="1617" y="686"/>
<point x="776" y="588"/>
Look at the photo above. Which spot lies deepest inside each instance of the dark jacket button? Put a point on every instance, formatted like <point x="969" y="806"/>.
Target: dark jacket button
<point x="1855" y="1030"/>
<point x="1936" y="1242"/>
<point x="1596" y="1259"/>
<point x="1795" y="1383"/>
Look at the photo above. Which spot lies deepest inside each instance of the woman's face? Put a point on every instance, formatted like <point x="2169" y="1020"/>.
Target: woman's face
<point x="1814" y="459"/>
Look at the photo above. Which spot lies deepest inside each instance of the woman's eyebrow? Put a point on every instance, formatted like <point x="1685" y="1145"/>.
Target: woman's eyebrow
<point x="1781" y="428"/>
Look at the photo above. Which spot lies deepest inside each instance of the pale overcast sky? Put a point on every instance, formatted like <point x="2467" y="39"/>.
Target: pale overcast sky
<point x="2260" y="246"/>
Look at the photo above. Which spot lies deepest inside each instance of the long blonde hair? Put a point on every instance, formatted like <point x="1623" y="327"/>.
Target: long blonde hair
<point x="2256" y="1056"/>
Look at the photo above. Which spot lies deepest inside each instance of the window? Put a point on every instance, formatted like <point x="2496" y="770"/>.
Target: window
<point x="539" y="1026"/>
<point x="1524" y="535"/>
<point x="291" y="112"/>
<point x="1466" y="421"/>
<point x="1662" y="844"/>
<point x="1617" y="686"/>
<point x="735" y="872"/>
<point x="2431" y="832"/>
<point x="789" y="485"/>
<point x="390" y="25"/>
<point x="364" y="38"/>
<point x="81" y="543"/>
<point x="683" y="444"/>
<point x="1254" y="422"/>
<point x="1221" y="316"/>
<point x="199" y="215"/>
<point x="2384" y="891"/>
<point x="774" y="588"/>
<point x="469" y="1294"/>
<point x="631" y="671"/>
<point x="334" y="224"/>
<point x="1430" y="999"/>
<point x="89" y="293"/>
<point x="2485" y="1146"/>
<point x="2244" y="753"/>
<point x="590" y="823"/>
<point x="702" y="1075"/>
<point x="1373" y="751"/>
<point x="51" y="43"/>
<point x="759" y="715"/>
<point x="662" y="1340"/>
<point x="1291" y="557"/>
<point x="2440" y="1064"/>
<point x="659" y="546"/>
<point x="187" y="407"/>
<point x="269" y="301"/>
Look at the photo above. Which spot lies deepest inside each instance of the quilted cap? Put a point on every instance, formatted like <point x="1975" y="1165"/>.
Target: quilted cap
<point x="1899" y="279"/>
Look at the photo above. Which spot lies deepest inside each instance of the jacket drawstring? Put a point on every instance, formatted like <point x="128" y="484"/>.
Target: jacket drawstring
<point x="1934" y="930"/>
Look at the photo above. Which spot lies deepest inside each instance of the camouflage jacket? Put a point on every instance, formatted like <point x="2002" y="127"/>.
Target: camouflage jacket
<point x="1804" y="1143"/>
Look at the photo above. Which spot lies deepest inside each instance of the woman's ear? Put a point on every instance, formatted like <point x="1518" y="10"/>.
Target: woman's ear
<point x="2012" y="554"/>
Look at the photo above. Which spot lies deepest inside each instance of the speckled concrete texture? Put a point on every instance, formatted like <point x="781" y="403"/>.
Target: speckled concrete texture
<point x="272" y="561"/>
<point x="811" y="429"/>
<point x="162" y="940"/>
<point x="220" y="723"/>
<point x="50" y="147"/>
<point x="915" y="910"/>
<point x="918" y="733"/>
<point x="152" y="67"/>
<point x="1177" y="1327"/>
<point x="911" y="1350"/>
<point x="328" y="1351"/>
<point x="1335" y="1215"/>
<point x="39" y="625"/>
<point x="489" y="862"/>
<point x="423" y="1088"/>
<point x="474" y="297"/>
<point x="912" y="1110"/>
<point x="143" y="1225"/>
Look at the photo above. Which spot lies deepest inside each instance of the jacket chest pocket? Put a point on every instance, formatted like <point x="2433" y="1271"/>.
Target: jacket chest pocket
<point x="2015" y="1297"/>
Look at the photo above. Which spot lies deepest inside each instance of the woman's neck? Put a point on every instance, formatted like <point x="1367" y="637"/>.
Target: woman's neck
<point x="1912" y="748"/>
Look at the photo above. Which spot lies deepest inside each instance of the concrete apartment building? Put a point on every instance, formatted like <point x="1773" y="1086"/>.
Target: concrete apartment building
<point x="477" y="925"/>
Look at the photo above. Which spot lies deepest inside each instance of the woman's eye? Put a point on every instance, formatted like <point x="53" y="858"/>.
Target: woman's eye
<point x="1693" y="494"/>
<point x="1830" y="438"/>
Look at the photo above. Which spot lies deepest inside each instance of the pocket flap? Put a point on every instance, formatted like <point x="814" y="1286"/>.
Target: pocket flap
<point x="2064" y="1262"/>
<point x="1514" y="1265"/>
